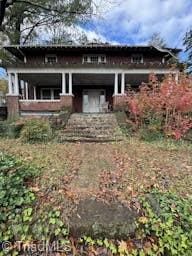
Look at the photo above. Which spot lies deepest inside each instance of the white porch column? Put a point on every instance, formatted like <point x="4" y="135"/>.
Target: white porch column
<point x="122" y="83"/>
<point x="70" y="84"/>
<point x="26" y="91"/>
<point x="63" y="83"/>
<point x="16" y="85"/>
<point x="116" y="84"/>
<point x="10" y="83"/>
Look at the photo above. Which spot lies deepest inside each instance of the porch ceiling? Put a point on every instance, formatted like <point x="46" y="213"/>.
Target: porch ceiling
<point x="42" y="79"/>
<point x="93" y="79"/>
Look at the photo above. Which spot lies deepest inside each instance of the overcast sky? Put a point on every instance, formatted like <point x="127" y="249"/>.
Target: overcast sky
<point x="134" y="21"/>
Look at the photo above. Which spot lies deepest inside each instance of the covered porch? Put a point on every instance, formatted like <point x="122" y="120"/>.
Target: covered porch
<point x="90" y="91"/>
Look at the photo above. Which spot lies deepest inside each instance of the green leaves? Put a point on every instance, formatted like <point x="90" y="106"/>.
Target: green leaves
<point x="18" y="219"/>
<point x="36" y="131"/>
<point x="171" y="227"/>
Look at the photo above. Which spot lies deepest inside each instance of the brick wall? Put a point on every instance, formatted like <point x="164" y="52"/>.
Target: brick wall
<point x="119" y="102"/>
<point x="39" y="106"/>
<point x="13" y="106"/>
<point x="64" y="102"/>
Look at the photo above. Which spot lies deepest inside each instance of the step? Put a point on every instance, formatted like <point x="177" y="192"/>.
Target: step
<point x="91" y="128"/>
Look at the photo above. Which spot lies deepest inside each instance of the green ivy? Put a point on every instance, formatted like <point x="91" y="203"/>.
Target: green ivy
<point x="170" y="226"/>
<point x="19" y="219"/>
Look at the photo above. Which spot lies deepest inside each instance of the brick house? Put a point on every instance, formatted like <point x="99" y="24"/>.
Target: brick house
<point x="86" y="78"/>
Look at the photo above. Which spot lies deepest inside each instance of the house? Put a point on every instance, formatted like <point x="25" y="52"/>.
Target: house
<point x="84" y="78"/>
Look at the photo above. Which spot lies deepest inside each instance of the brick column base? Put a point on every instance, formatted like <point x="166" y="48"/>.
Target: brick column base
<point x="13" y="106"/>
<point x="119" y="102"/>
<point x="66" y="101"/>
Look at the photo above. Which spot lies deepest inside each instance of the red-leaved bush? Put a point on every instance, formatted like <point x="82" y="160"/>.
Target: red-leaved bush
<point x="169" y="102"/>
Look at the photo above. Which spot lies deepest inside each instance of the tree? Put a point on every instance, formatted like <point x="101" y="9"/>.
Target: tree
<point x="20" y="20"/>
<point x="188" y="49"/>
<point x="157" y="40"/>
<point x="66" y="35"/>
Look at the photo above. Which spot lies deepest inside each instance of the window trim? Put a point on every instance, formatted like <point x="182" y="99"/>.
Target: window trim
<point x="89" y="56"/>
<point x="50" y="55"/>
<point x="137" y="55"/>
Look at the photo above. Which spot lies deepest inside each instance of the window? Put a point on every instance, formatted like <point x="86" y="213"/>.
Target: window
<point x="103" y="59"/>
<point x="50" y="93"/>
<point x="137" y="58"/>
<point x="51" y="58"/>
<point x="94" y="59"/>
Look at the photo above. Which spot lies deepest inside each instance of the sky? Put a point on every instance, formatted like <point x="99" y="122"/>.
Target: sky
<point x="133" y="22"/>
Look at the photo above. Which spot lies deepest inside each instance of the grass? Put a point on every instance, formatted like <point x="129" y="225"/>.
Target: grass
<point x="122" y="170"/>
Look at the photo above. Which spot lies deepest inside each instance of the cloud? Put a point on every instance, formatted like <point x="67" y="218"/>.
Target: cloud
<point x="134" y="21"/>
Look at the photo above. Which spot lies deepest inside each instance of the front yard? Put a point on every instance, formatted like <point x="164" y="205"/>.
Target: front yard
<point x="110" y="171"/>
<point x="95" y="188"/>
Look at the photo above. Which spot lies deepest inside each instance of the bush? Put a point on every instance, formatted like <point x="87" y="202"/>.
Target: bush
<point x="11" y="130"/>
<point x="36" y="131"/>
<point x="168" y="101"/>
<point x="152" y="130"/>
<point x="61" y="120"/>
<point x="188" y="135"/>
<point x="123" y="122"/>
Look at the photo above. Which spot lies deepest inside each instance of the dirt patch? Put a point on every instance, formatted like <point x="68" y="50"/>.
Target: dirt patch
<point x="98" y="219"/>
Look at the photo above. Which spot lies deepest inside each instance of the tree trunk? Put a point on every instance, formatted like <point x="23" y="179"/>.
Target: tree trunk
<point x="3" y="4"/>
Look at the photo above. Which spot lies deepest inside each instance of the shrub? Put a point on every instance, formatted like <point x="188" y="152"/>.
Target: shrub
<point x="36" y="131"/>
<point x="188" y="135"/>
<point x="11" y="130"/>
<point x="168" y="102"/>
<point x="61" y="120"/>
<point x="123" y="122"/>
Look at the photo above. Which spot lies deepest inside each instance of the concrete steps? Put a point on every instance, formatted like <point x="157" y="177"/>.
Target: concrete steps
<point x="102" y="127"/>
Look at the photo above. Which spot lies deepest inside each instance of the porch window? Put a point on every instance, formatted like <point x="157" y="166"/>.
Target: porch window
<point x="137" y="58"/>
<point x="51" y="58"/>
<point x="50" y="93"/>
<point x="94" y="59"/>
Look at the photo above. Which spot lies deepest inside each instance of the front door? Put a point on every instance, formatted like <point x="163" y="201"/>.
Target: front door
<point x="92" y="100"/>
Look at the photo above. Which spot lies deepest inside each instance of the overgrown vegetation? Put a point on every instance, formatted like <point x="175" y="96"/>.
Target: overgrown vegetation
<point x="164" y="223"/>
<point x="163" y="227"/>
<point x="10" y="129"/>
<point x="20" y="218"/>
<point x="36" y="131"/>
<point x="162" y="108"/>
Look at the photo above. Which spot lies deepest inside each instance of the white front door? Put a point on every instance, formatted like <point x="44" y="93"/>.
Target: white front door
<point x="92" y="100"/>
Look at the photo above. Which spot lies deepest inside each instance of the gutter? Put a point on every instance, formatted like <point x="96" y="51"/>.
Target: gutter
<point x="165" y="50"/>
